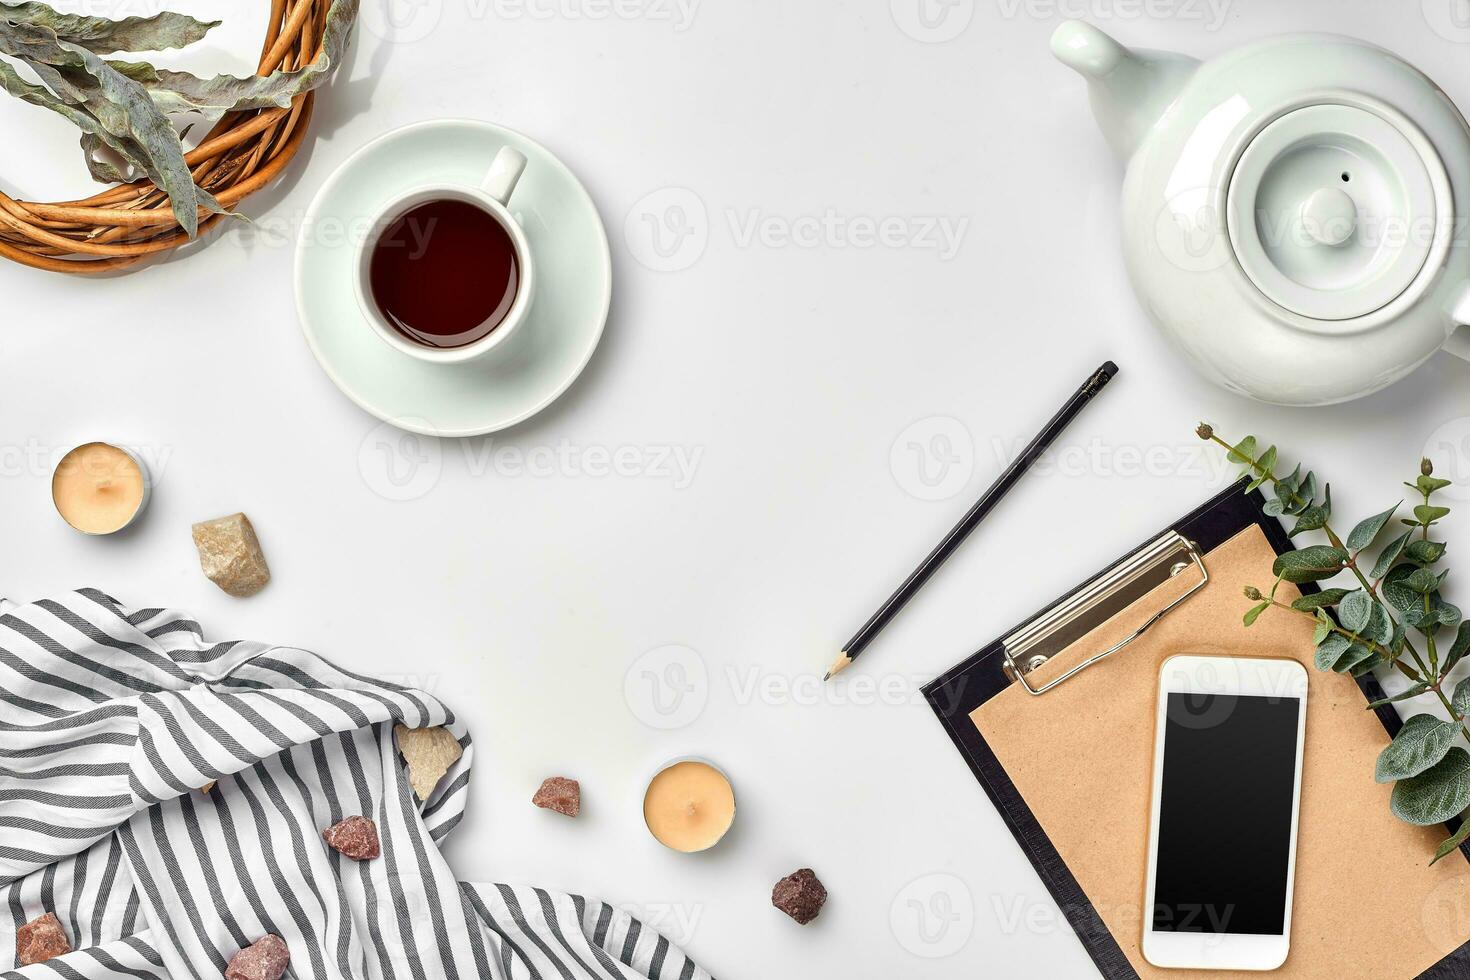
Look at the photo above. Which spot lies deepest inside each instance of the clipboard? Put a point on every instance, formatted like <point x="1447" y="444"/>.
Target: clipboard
<point x="1055" y="719"/>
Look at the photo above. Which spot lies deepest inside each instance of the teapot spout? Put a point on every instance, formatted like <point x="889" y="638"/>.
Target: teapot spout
<point x="1129" y="90"/>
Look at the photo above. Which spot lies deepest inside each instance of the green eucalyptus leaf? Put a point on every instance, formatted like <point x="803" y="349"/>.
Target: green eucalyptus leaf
<point x="1315" y="517"/>
<point x="1317" y="600"/>
<point x="1255" y="613"/>
<point x="1355" y="610"/>
<point x="1330" y="650"/>
<point x="1460" y="700"/>
<point x="1412" y="692"/>
<point x="102" y="36"/>
<point x="1458" y="648"/>
<point x="1452" y="843"/>
<point x="1359" y="659"/>
<point x="1422" y="742"/>
<point x="1310" y="564"/>
<point x="1244" y="451"/>
<point x="1367" y="664"/>
<point x="1380" y="628"/>
<point x="1274" y="507"/>
<point x="1430" y="484"/>
<point x="1367" y="530"/>
<point x="1288" y="485"/>
<point x="1398" y="594"/>
<point x="1390" y="555"/>
<point x="1323" y="628"/>
<point x="1425" y="552"/>
<point x="1428" y="513"/>
<point x="1422" y="581"/>
<point x="1436" y="794"/>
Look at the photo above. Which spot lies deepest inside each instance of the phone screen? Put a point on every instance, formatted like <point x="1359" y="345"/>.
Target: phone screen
<point x="1224" y="831"/>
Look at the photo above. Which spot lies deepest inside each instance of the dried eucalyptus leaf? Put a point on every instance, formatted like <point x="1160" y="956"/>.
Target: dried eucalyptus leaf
<point x="101" y="168"/>
<point x="126" y="117"/>
<point x="102" y="36"/>
<point x="178" y="91"/>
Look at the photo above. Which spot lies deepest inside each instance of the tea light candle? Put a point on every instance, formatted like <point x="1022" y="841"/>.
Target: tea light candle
<point x="99" y="488"/>
<point x="689" y="806"/>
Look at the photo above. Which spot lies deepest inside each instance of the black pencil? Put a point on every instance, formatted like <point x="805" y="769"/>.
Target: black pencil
<point x="1013" y="473"/>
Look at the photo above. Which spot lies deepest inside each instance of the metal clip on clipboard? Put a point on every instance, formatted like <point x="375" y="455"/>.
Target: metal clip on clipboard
<point x="1059" y="627"/>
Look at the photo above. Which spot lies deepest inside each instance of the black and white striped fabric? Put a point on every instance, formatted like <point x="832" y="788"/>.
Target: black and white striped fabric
<point x="111" y="719"/>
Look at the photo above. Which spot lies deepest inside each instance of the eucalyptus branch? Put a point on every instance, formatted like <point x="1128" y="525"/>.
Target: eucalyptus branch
<point x="1358" y="629"/>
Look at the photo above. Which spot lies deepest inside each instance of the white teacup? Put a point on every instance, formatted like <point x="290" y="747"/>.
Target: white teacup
<point x="491" y="197"/>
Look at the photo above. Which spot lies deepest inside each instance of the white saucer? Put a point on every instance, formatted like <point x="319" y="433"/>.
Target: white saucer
<point x="553" y="345"/>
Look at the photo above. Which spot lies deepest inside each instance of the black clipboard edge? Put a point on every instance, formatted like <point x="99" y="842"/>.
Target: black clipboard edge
<point x="958" y="691"/>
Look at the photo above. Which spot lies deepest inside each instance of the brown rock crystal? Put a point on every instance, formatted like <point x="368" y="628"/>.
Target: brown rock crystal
<point x="560" y="794"/>
<point x="229" y="553"/>
<point x="429" y="753"/>
<point x="354" y="837"/>
<point x="264" y="959"/>
<point x="39" y="940"/>
<point x="800" y="895"/>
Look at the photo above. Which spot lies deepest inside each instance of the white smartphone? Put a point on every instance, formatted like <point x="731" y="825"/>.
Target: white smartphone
<point x="1226" y="795"/>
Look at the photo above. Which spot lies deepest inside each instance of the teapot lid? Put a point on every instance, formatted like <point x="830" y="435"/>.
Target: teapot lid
<point x="1331" y="210"/>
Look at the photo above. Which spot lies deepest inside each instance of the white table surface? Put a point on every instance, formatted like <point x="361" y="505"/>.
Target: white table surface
<point x="788" y="374"/>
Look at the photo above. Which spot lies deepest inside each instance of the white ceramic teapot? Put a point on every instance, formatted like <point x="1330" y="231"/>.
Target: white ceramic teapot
<point x="1290" y="208"/>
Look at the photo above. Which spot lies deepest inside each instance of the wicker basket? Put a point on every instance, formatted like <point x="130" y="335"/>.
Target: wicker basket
<point x="240" y="155"/>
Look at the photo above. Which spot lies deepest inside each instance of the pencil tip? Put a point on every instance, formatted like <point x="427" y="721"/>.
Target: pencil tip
<point x="842" y="662"/>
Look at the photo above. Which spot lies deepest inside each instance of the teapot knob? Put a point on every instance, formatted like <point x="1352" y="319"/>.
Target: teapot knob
<point x="1329" y="216"/>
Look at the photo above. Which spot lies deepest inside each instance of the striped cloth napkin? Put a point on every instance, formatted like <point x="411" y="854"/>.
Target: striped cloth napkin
<point x="112" y="719"/>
